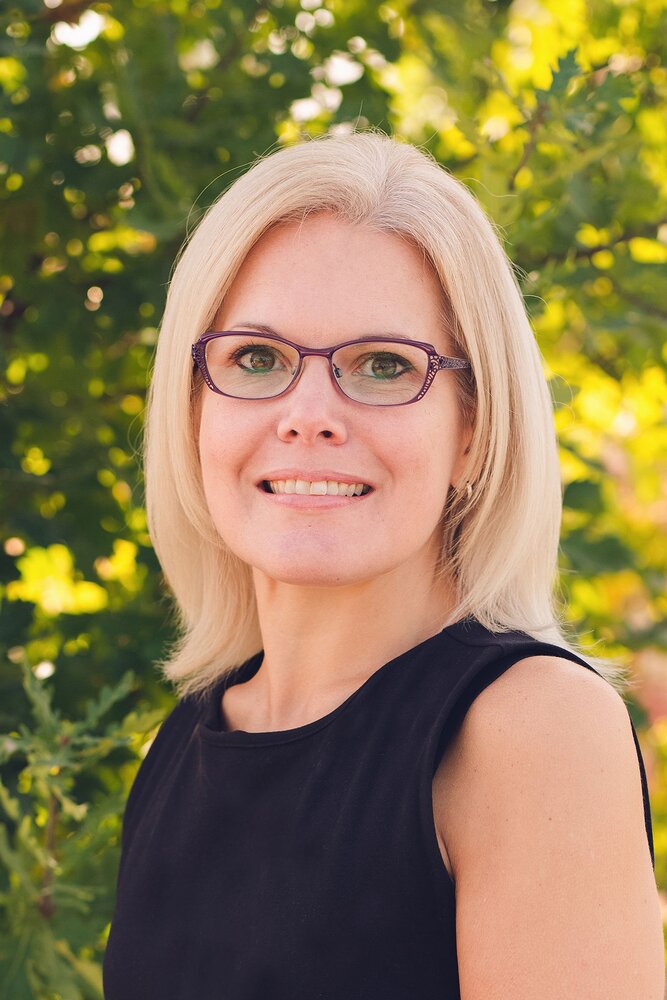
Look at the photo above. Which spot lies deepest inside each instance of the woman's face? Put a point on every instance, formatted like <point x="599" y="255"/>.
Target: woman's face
<point x="317" y="284"/>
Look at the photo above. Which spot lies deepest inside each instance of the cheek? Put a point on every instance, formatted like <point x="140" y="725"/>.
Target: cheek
<point x="223" y="432"/>
<point x="211" y="443"/>
<point x="220" y="442"/>
<point x="426" y="448"/>
<point x="211" y="448"/>
<point x="424" y="466"/>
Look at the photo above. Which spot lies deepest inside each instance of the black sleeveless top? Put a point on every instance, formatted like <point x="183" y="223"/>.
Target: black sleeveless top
<point x="303" y="864"/>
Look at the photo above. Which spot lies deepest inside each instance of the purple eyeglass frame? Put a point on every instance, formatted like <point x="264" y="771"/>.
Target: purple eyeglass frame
<point x="436" y="362"/>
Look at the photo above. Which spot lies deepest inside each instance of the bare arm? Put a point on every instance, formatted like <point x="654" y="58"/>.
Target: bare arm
<point x="543" y="822"/>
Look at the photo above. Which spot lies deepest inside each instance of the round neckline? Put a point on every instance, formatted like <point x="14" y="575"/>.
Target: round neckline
<point x="211" y="729"/>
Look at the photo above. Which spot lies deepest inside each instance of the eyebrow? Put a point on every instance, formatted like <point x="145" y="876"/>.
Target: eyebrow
<point x="265" y="328"/>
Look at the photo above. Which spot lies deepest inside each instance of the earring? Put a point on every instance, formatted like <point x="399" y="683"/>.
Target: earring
<point x="468" y="489"/>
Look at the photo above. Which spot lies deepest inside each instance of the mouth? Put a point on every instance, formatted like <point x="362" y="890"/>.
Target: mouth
<point x="319" y="488"/>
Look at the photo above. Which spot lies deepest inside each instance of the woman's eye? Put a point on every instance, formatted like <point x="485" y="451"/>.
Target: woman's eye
<point x="257" y="359"/>
<point x="384" y="366"/>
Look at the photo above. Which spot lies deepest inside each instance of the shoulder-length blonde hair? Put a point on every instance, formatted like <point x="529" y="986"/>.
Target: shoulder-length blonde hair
<point x="500" y="544"/>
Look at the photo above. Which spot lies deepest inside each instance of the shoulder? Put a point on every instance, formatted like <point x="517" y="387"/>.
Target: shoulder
<point x="544" y="719"/>
<point x="539" y="706"/>
<point x="541" y="800"/>
<point x="543" y="695"/>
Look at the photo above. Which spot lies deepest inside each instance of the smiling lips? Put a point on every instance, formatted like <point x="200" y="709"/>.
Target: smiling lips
<point x="316" y="488"/>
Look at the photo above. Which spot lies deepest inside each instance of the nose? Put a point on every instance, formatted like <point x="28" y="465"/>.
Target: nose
<point x="313" y="407"/>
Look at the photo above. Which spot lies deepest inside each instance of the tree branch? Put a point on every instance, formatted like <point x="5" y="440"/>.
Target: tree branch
<point x="69" y="11"/>
<point x="45" y="903"/>
<point x="533" y="126"/>
<point x="636" y="300"/>
<point x="195" y="108"/>
<point x="647" y="231"/>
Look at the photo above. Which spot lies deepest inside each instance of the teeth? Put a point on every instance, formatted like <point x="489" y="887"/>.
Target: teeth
<point x="319" y="488"/>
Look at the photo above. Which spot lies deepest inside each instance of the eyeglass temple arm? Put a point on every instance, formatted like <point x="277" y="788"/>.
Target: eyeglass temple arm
<point x="452" y="363"/>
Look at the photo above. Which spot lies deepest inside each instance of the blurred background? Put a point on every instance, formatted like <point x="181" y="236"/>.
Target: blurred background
<point x="119" y="124"/>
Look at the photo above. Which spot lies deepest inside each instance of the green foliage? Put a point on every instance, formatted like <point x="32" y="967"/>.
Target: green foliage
<point x="115" y="120"/>
<point x="59" y="851"/>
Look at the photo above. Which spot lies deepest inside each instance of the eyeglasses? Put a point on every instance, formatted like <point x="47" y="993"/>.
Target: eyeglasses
<point x="379" y="372"/>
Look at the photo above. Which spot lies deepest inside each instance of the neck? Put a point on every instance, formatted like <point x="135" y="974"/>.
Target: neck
<point x="321" y="641"/>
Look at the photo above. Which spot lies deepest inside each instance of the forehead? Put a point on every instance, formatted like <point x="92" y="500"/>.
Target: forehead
<point x="337" y="280"/>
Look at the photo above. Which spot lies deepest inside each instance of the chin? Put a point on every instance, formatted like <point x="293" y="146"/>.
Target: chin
<point x="316" y="575"/>
<point x="317" y="568"/>
<point x="308" y="558"/>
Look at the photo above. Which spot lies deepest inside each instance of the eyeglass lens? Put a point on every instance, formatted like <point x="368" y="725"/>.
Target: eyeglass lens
<point x="250" y="367"/>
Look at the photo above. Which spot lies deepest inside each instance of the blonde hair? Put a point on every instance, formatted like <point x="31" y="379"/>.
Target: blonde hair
<point x="501" y="543"/>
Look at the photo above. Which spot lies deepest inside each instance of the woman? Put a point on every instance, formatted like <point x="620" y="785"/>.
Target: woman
<point x="388" y="775"/>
